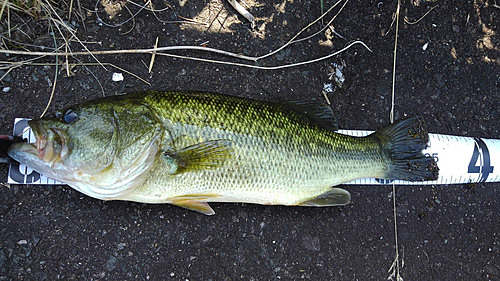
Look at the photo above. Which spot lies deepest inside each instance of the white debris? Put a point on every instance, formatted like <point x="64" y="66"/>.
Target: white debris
<point x="240" y="9"/>
<point x="117" y="77"/>
<point x="22" y="242"/>
<point x="6" y="89"/>
<point x="337" y="75"/>
<point x="328" y="88"/>
<point x="424" y="47"/>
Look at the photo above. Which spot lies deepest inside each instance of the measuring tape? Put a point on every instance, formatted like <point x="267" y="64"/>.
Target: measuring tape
<point x="460" y="160"/>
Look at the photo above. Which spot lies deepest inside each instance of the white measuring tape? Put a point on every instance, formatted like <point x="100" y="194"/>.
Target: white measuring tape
<point x="460" y="160"/>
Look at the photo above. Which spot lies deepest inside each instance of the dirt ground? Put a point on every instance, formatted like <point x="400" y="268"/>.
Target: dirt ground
<point x="448" y="72"/>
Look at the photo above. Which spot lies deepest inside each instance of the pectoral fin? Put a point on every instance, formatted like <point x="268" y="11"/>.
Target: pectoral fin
<point x="333" y="197"/>
<point x="205" y="155"/>
<point x="195" y="202"/>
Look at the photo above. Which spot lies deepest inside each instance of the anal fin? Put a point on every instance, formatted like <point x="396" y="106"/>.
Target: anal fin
<point x="198" y="206"/>
<point x="334" y="197"/>
<point x="195" y="202"/>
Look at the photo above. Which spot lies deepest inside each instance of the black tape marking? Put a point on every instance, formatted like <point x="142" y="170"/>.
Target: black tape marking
<point x="383" y="181"/>
<point x="18" y="174"/>
<point x="484" y="169"/>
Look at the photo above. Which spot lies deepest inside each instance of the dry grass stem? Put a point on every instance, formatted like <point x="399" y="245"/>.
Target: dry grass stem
<point x="4" y="4"/>
<point x="19" y="64"/>
<point x="157" y="50"/>
<point x="55" y="79"/>
<point x="417" y="21"/>
<point x="326" y="97"/>
<point x="270" y="67"/>
<point x="123" y="22"/>
<point x="70" y="10"/>
<point x="394" y="270"/>
<point x="291" y="41"/>
<point x="160" y="50"/>
<point x="206" y="49"/>
<point x="69" y="29"/>
<point x="133" y="22"/>
<point x="192" y="20"/>
<point x="153" y="56"/>
<point x="325" y="27"/>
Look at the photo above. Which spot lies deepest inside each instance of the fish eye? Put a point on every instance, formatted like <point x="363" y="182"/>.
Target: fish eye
<point x="70" y="116"/>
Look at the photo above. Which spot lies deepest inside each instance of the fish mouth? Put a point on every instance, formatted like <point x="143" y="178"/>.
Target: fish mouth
<point x="51" y="143"/>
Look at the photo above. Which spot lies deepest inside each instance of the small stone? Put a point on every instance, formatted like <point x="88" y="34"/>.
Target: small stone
<point x="22" y="242"/>
<point x="111" y="263"/>
<point x="435" y="96"/>
<point x="6" y="89"/>
<point x="121" y="246"/>
<point x="35" y="77"/>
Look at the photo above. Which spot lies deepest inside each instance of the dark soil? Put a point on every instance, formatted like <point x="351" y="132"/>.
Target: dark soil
<point x="446" y="232"/>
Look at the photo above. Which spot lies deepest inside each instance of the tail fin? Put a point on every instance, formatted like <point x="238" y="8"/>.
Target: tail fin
<point x="404" y="141"/>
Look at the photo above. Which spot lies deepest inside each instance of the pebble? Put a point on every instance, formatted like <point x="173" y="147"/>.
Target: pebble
<point x="111" y="263"/>
<point x="35" y="77"/>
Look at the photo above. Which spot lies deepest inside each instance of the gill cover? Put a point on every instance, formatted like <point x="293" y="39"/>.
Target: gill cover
<point x="109" y="146"/>
<point x="134" y="136"/>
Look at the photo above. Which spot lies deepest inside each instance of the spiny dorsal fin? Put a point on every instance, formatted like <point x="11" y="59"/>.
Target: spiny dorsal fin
<point x="205" y="155"/>
<point x="334" y="197"/>
<point x="321" y="115"/>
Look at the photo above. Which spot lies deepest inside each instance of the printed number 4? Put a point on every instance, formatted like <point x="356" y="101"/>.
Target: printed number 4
<point x="484" y="168"/>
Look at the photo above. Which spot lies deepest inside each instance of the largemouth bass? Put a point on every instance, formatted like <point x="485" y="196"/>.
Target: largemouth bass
<point x="190" y="148"/>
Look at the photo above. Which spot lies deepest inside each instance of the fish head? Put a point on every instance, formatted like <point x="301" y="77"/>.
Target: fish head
<point x="103" y="148"/>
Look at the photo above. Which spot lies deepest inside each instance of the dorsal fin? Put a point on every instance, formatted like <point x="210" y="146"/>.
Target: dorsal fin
<point x="321" y="115"/>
